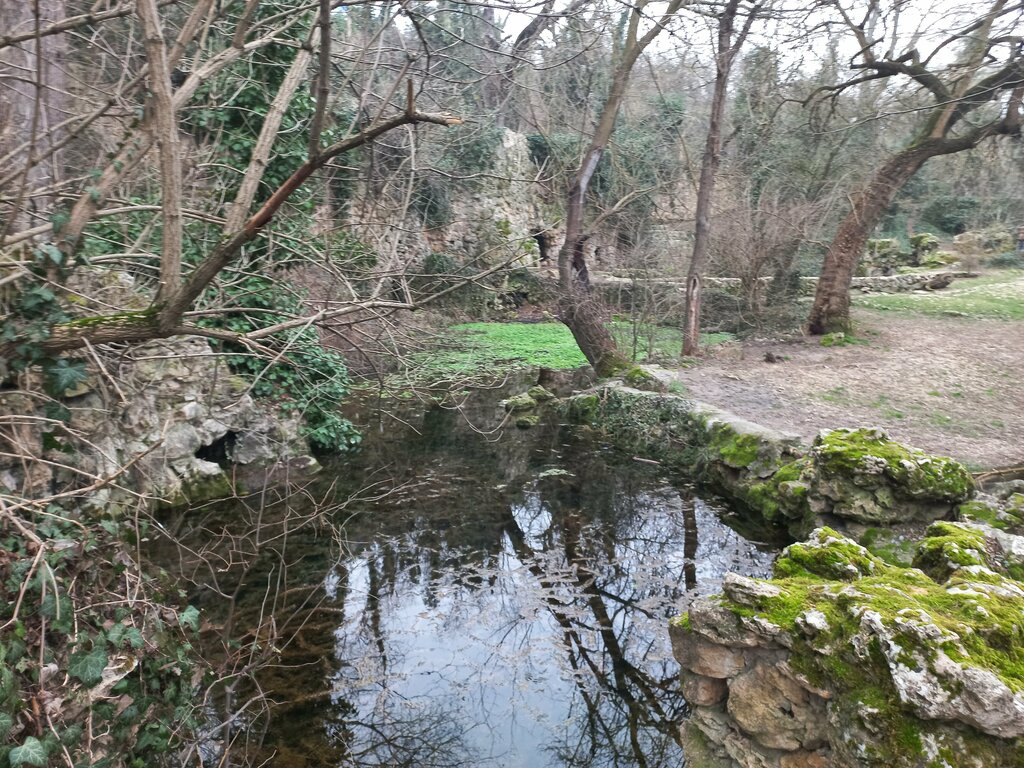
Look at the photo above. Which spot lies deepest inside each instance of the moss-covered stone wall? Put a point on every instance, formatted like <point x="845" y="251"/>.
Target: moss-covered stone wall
<point x="844" y="660"/>
<point x="846" y="477"/>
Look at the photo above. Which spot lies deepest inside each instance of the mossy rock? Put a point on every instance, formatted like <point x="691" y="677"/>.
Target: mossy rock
<point x="912" y="474"/>
<point x="584" y="408"/>
<point x="836" y="339"/>
<point x="948" y="548"/>
<point x="527" y="420"/>
<point x="828" y="555"/>
<point x="518" y="403"/>
<point x="638" y="377"/>
<point x="1008" y="515"/>
<point x="914" y="668"/>
<point x="540" y="394"/>
<point x="197" y="488"/>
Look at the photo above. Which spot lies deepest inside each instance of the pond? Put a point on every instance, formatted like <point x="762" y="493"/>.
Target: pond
<point x="458" y="595"/>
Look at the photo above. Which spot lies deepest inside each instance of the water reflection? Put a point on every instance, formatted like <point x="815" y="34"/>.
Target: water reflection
<point x="543" y="645"/>
<point x="490" y="612"/>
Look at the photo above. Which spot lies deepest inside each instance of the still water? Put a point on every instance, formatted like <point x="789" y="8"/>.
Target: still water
<point x="481" y="597"/>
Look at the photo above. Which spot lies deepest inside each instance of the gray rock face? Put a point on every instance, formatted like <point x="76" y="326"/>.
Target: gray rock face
<point x="848" y="662"/>
<point x="173" y="398"/>
<point x="778" y="712"/>
<point x="936" y="687"/>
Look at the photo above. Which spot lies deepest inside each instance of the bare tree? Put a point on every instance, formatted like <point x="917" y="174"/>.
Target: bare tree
<point x="579" y="308"/>
<point x="727" y="47"/>
<point x="974" y="96"/>
<point x="161" y="127"/>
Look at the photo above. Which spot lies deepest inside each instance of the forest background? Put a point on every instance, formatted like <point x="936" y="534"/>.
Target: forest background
<point x="301" y="183"/>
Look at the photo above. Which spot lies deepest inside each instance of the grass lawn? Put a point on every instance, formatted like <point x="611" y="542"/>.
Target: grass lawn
<point x="473" y="350"/>
<point x="998" y="296"/>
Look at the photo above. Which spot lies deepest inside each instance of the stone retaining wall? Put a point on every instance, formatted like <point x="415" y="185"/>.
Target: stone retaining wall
<point x="842" y="659"/>
<point x="845" y="661"/>
<point x="846" y="478"/>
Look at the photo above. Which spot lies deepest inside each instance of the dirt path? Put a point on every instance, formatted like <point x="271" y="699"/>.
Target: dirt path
<point x="948" y="385"/>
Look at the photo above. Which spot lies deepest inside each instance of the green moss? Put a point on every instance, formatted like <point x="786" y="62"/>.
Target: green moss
<point x="1015" y="505"/>
<point x="681" y="621"/>
<point x="981" y="512"/>
<point x="123" y="319"/>
<point x="520" y="402"/>
<point x="826" y="554"/>
<point x="527" y="420"/>
<point x="639" y="378"/>
<point x="915" y="475"/>
<point x="783" y="498"/>
<point x="817" y="575"/>
<point x="584" y="409"/>
<point x="736" y="449"/>
<point x="836" y="339"/>
<point x="949" y="547"/>
<point x="540" y="394"/>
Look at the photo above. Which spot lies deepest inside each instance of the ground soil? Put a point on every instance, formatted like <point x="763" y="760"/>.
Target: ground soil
<point x="948" y="385"/>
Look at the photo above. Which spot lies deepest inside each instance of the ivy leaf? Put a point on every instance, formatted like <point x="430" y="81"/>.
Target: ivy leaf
<point x="189" y="618"/>
<point x="59" y="220"/>
<point x="6" y="723"/>
<point x="115" y="635"/>
<point x="51" y="252"/>
<point x="32" y="752"/>
<point x="134" y="637"/>
<point x="88" y="667"/>
<point x="63" y="374"/>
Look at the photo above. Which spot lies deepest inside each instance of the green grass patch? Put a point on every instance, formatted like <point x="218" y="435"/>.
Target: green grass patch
<point x="475" y="352"/>
<point x="647" y="342"/>
<point x="476" y="348"/>
<point x="999" y="296"/>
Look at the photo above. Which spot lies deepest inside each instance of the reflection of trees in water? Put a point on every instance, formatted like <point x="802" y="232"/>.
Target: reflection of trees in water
<point x="618" y="576"/>
<point x="546" y="606"/>
<point x="608" y="585"/>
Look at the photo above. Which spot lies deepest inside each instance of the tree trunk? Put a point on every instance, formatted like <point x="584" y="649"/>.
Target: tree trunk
<point x="584" y="315"/>
<point x="33" y="103"/>
<point x="580" y="310"/>
<point x="831" y="309"/>
<point x="708" y="169"/>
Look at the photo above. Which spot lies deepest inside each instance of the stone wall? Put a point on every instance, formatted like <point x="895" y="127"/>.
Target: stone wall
<point x="847" y="478"/>
<point x="167" y="421"/>
<point x="493" y="219"/>
<point x="843" y="660"/>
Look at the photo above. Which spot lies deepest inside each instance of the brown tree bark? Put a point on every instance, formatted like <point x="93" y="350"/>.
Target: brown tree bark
<point x="580" y="310"/>
<point x="165" y="320"/>
<point x="33" y="104"/>
<point x="958" y="91"/>
<point x="831" y="309"/>
<point x="725" y="54"/>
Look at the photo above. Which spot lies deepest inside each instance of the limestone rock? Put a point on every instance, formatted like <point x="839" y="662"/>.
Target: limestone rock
<point x="701" y="691"/>
<point x="747" y="591"/>
<point x="779" y="713"/>
<point x="708" y="617"/>
<point x="179" y="398"/>
<point x="710" y="659"/>
<point x="935" y="686"/>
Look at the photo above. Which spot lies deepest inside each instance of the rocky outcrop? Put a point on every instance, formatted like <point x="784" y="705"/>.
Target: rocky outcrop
<point x="167" y="421"/>
<point x="860" y="476"/>
<point x="492" y="219"/>
<point x="847" y="478"/>
<point x="843" y="660"/>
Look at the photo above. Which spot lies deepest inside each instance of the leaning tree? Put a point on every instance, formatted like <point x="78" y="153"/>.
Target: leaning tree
<point x="966" y="98"/>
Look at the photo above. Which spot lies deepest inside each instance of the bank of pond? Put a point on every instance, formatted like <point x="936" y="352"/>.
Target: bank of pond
<point x="466" y="591"/>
